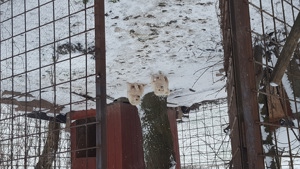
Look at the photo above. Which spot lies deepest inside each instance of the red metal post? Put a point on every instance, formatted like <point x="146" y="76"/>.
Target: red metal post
<point x="124" y="137"/>
<point x="173" y="126"/>
<point x="124" y="140"/>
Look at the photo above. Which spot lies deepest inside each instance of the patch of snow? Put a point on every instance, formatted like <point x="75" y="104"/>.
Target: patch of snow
<point x="174" y="37"/>
<point x="273" y="84"/>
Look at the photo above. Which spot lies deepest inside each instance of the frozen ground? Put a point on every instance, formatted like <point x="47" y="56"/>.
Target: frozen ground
<point x="180" y="38"/>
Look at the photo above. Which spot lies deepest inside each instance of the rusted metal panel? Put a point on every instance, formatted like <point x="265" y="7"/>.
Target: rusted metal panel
<point x="173" y="126"/>
<point x="79" y="162"/>
<point x="100" y="58"/>
<point x="114" y="138"/>
<point x="85" y="163"/>
<point x="234" y="127"/>
<point x="124" y="137"/>
<point x="132" y="138"/>
<point x="75" y="115"/>
<point x="246" y="98"/>
<point x="235" y="136"/>
<point x="73" y="143"/>
<point x="226" y="32"/>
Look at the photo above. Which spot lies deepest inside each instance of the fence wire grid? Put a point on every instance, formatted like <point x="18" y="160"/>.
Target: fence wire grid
<point x="204" y="137"/>
<point x="278" y="106"/>
<point x="47" y="70"/>
<point x="271" y="23"/>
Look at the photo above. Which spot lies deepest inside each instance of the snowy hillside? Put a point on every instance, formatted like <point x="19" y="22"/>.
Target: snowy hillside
<point x="47" y="55"/>
<point x="175" y="37"/>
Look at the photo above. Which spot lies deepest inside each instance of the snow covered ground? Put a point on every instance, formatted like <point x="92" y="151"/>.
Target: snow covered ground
<point x="180" y="38"/>
<point x="175" y="37"/>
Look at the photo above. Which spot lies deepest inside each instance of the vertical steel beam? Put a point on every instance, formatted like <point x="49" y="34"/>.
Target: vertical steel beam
<point x="101" y="154"/>
<point x="246" y="98"/>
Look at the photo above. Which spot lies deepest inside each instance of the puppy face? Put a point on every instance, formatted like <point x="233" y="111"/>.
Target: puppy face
<point x="161" y="90"/>
<point x="160" y="85"/>
<point x="134" y="99"/>
<point x="134" y="92"/>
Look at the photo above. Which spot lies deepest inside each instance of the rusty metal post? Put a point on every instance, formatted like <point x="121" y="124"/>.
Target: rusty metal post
<point x="101" y="154"/>
<point x="244" y="75"/>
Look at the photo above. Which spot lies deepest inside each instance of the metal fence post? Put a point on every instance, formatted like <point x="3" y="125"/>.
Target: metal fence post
<point x="101" y="154"/>
<point x="246" y="98"/>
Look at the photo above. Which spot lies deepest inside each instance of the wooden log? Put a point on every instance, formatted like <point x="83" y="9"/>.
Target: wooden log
<point x="286" y="53"/>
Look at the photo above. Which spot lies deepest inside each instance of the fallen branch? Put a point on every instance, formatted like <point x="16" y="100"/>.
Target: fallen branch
<point x="31" y="105"/>
<point x="286" y="53"/>
<point x="206" y="69"/>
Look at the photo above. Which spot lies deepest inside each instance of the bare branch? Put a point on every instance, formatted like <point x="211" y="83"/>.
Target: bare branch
<point x="31" y="105"/>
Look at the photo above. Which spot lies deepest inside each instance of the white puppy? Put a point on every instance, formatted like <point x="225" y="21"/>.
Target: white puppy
<point x="134" y="92"/>
<point x="160" y="84"/>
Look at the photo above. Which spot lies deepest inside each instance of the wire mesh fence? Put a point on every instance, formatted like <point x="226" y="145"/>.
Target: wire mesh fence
<point x="48" y="94"/>
<point x="270" y="25"/>
<point x="204" y="138"/>
<point x="47" y="64"/>
<point x="47" y="55"/>
<point x="23" y="143"/>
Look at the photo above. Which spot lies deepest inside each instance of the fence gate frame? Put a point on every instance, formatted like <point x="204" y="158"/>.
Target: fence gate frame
<point x="100" y="57"/>
<point x="246" y="139"/>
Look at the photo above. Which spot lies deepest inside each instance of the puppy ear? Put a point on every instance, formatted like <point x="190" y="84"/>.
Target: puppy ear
<point x="166" y="79"/>
<point x="153" y="78"/>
